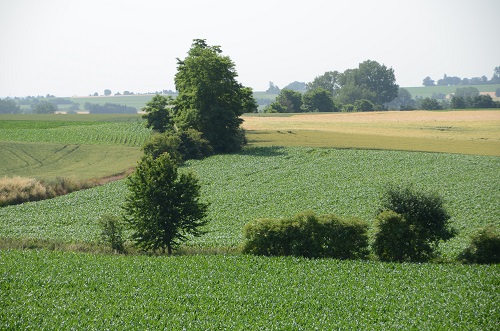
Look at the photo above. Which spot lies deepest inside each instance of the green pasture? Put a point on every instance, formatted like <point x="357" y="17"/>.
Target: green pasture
<point x="137" y="101"/>
<point x="277" y="182"/>
<point x="51" y="160"/>
<point x="428" y="91"/>
<point x="73" y="146"/>
<point x="67" y="291"/>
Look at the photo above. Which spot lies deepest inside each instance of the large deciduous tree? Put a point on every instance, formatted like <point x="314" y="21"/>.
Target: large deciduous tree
<point x="318" y="100"/>
<point x="163" y="207"/>
<point x="328" y="81"/>
<point x="210" y="99"/>
<point x="370" y="81"/>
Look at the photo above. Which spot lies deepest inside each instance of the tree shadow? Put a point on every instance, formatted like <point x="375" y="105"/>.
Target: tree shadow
<point x="267" y="151"/>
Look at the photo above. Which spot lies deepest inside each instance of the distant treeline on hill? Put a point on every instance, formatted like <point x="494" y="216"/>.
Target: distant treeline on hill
<point x="109" y="108"/>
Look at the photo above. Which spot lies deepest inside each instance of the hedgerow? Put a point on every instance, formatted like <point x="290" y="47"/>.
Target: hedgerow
<point x="307" y="235"/>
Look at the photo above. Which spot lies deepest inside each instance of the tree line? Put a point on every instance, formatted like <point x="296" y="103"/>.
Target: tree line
<point x="454" y="80"/>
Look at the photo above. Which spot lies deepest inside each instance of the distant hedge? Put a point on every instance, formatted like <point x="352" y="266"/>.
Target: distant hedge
<point x="307" y="235"/>
<point x="109" y="108"/>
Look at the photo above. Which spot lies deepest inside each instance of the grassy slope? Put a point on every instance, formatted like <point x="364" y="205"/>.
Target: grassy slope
<point x="50" y="160"/>
<point x="76" y="146"/>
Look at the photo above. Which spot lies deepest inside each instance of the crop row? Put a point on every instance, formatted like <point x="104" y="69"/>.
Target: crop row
<point x="279" y="182"/>
<point x="112" y="133"/>
<point x="52" y="290"/>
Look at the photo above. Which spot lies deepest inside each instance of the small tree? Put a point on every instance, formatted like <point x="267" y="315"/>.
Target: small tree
<point x="158" y="115"/>
<point x="422" y="224"/>
<point x="163" y="206"/>
<point x="112" y="232"/>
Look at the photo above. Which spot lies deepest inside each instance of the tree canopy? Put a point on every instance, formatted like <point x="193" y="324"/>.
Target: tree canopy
<point x="163" y="207"/>
<point x="210" y="99"/>
<point x="157" y="113"/>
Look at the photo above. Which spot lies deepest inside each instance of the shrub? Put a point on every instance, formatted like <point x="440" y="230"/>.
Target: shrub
<point x="112" y="232"/>
<point x="182" y="145"/>
<point x="484" y="246"/>
<point x="17" y="190"/>
<point x="424" y="223"/>
<point x="161" y="143"/>
<point x="307" y="235"/>
<point x="193" y="145"/>
<point x="393" y="237"/>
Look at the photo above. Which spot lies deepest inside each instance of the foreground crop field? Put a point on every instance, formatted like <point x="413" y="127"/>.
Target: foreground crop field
<point x="50" y="290"/>
<point x="465" y="132"/>
<point x="276" y="182"/>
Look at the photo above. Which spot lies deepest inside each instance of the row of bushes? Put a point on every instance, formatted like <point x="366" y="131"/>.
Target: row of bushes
<point x="330" y="236"/>
<point x="409" y="229"/>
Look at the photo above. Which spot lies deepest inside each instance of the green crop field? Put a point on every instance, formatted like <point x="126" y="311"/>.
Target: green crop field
<point x="67" y="291"/>
<point x="48" y="289"/>
<point x="275" y="182"/>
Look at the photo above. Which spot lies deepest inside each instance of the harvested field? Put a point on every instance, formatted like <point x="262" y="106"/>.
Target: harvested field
<point x="466" y="132"/>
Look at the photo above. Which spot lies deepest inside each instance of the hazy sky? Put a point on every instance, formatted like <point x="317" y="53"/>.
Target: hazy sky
<point x="78" y="47"/>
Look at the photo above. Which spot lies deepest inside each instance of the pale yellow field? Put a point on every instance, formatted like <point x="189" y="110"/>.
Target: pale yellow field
<point x="468" y="132"/>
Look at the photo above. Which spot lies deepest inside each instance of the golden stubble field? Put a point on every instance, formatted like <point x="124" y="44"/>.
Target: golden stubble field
<point x="468" y="132"/>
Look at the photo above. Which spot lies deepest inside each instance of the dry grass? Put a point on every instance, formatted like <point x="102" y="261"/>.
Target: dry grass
<point x="466" y="132"/>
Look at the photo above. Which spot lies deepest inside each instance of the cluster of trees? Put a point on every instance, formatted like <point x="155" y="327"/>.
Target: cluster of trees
<point x="163" y="207"/>
<point x="366" y="88"/>
<point x="453" y="80"/>
<point x="38" y="105"/>
<point x="409" y="228"/>
<point x="109" y="108"/>
<point x="9" y="106"/>
<point x="108" y="92"/>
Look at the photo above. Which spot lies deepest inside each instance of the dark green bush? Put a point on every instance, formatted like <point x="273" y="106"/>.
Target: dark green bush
<point x="484" y="246"/>
<point x="425" y="222"/>
<point x="307" y="235"/>
<point x="393" y="237"/>
<point x="182" y="145"/>
<point x="193" y="145"/>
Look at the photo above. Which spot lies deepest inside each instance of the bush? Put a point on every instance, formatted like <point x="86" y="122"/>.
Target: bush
<point x="112" y="232"/>
<point x="307" y="235"/>
<point x="393" y="236"/>
<point x="182" y="145"/>
<point x="193" y="145"/>
<point x="484" y="246"/>
<point x="161" y="143"/>
<point x="424" y="223"/>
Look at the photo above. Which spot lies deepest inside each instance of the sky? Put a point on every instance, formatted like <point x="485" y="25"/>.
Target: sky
<point x="78" y="47"/>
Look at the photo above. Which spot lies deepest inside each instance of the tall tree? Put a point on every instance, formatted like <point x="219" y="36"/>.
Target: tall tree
<point x="163" y="206"/>
<point x="210" y="99"/>
<point x="328" y="81"/>
<point x="370" y="81"/>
